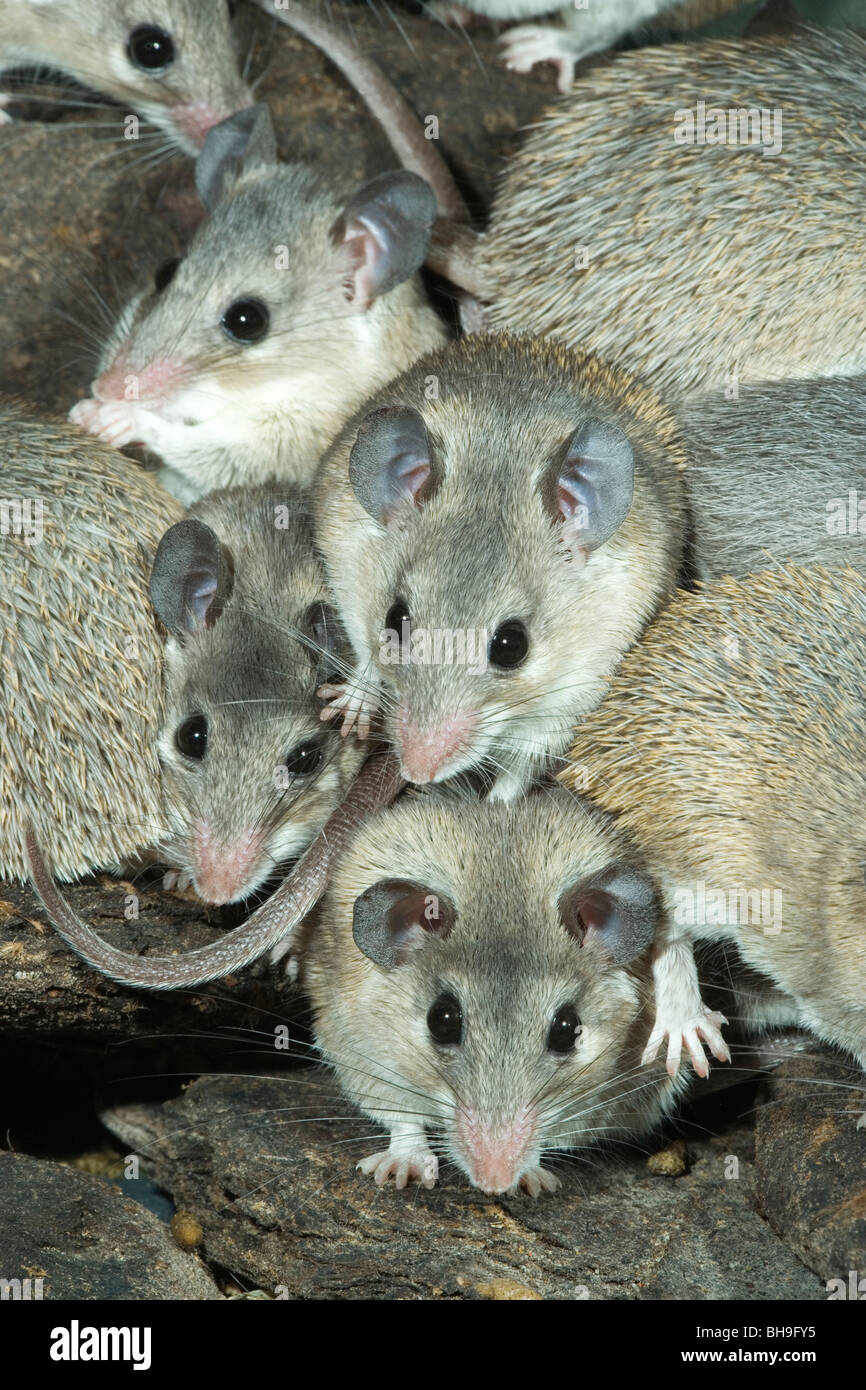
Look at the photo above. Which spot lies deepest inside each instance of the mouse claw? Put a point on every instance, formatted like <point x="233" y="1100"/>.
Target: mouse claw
<point x="418" y="1163"/>
<point x="528" y="44"/>
<point x="535" y="1181"/>
<point x="357" y="707"/>
<point x="114" y="422"/>
<point x="706" y="1025"/>
<point x="176" y="880"/>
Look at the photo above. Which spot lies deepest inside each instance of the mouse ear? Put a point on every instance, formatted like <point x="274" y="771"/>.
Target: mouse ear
<point x="327" y="638"/>
<point x="386" y="229"/>
<point x="394" y="918"/>
<point x="237" y="143"/>
<point x="191" y="578"/>
<point x="589" y="488"/>
<point x="617" y="906"/>
<point x="391" y="462"/>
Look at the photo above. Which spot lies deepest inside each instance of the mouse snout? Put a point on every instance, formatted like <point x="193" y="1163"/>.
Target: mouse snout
<point x="195" y="118"/>
<point x="495" y="1152"/>
<point x="426" y="754"/>
<point x="151" y="383"/>
<point x="222" y="871"/>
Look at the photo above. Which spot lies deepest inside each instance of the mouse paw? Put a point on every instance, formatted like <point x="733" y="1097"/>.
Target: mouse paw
<point x="402" y="1164"/>
<point x="114" y="422"/>
<point x="177" y="880"/>
<point x="706" y="1024"/>
<point x="5" y="118"/>
<point x="357" y="706"/>
<point x="535" y="1181"/>
<point x="528" y="44"/>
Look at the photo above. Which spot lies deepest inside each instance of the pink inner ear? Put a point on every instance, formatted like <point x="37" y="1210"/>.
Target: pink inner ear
<point x="414" y="478"/>
<point x="594" y="911"/>
<point x="366" y="253"/>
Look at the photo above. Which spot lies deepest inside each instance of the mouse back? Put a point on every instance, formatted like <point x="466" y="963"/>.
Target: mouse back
<point x="81" y="653"/>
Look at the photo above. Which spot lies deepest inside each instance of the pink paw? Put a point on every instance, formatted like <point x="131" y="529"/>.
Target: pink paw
<point x="706" y="1025"/>
<point x="357" y="707"/>
<point x="418" y="1163"/>
<point x="114" y="422"/>
<point x="528" y="44"/>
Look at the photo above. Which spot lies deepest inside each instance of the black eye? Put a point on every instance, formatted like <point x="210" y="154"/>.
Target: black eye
<point x="165" y="274"/>
<point x="304" y="759"/>
<point x="397" y="615"/>
<point x="508" y="645"/>
<point x="563" y="1031"/>
<point x="445" y="1020"/>
<point x="191" y="737"/>
<point x="246" y="321"/>
<point x="150" y="48"/>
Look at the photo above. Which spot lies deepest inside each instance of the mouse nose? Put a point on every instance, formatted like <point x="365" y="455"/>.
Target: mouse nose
<point x="222" y="872"/>
<point x="151" y="383"/>
<point x="424" y="753"/>
<point x="495" y="1152"/>
<point x="195" y="118"/>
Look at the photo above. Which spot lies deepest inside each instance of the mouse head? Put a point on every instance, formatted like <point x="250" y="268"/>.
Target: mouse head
<point x="522" y="527"/>
<point x="279" y="319"/>
<point x="249" y="772"/>
<point x="483" y="969"/>
<point x="171" y="61"/>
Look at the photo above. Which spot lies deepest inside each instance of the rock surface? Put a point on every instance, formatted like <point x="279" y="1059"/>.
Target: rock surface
<point x="86" y="1240"/>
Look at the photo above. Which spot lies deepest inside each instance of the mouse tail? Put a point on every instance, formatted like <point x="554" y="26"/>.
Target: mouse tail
<point x="453" y="254"/>
<point x="396" y="117"/>
<point x="376" y="785"/>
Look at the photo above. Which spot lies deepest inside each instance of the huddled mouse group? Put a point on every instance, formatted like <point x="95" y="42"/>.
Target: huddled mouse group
<point x="522" y="647"/>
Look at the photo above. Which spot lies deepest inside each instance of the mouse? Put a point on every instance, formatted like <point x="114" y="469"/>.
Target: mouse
<point x="480" y="984"/>
<point x="249" y="772"/>
<point x="730" y="748"/>
<point x="293" y="302"/>
<point x="496" y="550"/>
<point x="171" y="61"/>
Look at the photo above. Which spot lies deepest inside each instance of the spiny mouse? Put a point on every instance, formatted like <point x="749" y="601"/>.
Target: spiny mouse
<point x="291" y="304"/>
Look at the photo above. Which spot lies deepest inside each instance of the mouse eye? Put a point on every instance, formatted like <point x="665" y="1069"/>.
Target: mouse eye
<point x="508" y="645"/>
<point x="563" y="1032"/>
<point x="397" y="615"/>
<point x="245" y="321"/>
<point x="305" y="759"/>
<point x="150" y="48"/>
<point x="165" y="274"/>
<point x="191" y="737"/>
<point x="445" y="1020"/>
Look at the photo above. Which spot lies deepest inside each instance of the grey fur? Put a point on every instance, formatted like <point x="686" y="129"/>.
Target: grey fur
<point x="772" y="472"/>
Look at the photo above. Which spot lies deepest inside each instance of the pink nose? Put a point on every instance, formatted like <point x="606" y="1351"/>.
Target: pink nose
<point x="153" y="382"/>
<point x="495" y="1153"/>
<point x="196" y="119"/>
<point x="424" y="754"/>
<point x="222" y="872"/>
